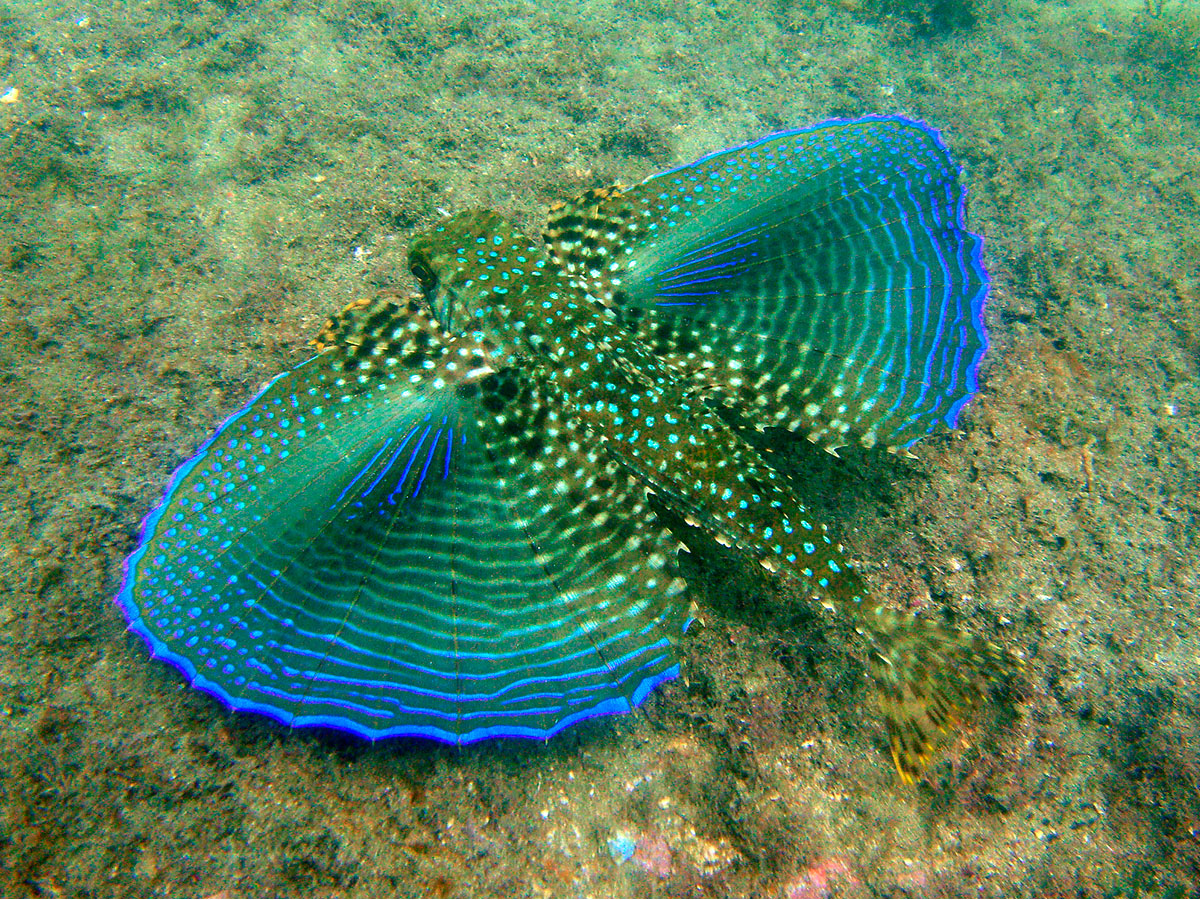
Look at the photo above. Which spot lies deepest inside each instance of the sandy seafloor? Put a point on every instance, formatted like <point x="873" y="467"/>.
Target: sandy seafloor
<point x="186" y="190"/>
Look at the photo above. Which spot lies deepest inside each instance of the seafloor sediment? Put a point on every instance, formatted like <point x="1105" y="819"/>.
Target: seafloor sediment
<point x="187" y="190"/>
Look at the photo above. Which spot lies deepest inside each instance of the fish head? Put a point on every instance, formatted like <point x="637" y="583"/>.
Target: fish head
<point x="466" y="264"/>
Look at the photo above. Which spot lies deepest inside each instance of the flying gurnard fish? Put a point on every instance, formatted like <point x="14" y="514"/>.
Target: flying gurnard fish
<point x="442" y="524"/>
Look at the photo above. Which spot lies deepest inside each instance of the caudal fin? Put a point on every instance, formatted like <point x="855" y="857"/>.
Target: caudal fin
<point x="928" y="677"/>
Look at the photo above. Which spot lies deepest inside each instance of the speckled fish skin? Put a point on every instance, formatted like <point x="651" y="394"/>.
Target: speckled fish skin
<point x="621" y="394"/>
<point x="440" y="526"/>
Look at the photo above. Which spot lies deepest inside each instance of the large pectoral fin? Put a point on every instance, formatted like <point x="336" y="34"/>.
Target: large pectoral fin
<point x="393" y="539"/>
<point x="823" y="280"/>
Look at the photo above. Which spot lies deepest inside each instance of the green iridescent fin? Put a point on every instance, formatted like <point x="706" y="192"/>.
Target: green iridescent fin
<point x="822" y="280"/>
<point x="394" y="539"/>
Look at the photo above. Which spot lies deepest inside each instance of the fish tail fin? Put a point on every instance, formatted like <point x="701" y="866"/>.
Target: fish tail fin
<point x="927" y="676"/>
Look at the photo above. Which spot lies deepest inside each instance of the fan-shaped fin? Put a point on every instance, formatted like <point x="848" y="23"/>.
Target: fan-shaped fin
<point x="394" y="539"/>
<point x="821" y="279"/>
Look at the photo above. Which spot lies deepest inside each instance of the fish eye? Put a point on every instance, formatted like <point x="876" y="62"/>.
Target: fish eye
<point x="423" y="274"/>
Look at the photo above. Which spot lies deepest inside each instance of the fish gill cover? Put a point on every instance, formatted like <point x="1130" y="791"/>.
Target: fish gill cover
<point x="440" y="525"/>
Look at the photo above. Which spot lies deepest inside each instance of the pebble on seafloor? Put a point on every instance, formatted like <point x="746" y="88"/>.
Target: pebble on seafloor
<point x="621" y="845"/>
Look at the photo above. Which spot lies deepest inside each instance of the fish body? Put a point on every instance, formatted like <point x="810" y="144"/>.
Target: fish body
<point x="441" y="525"/>
<point x="633" y="407"/>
